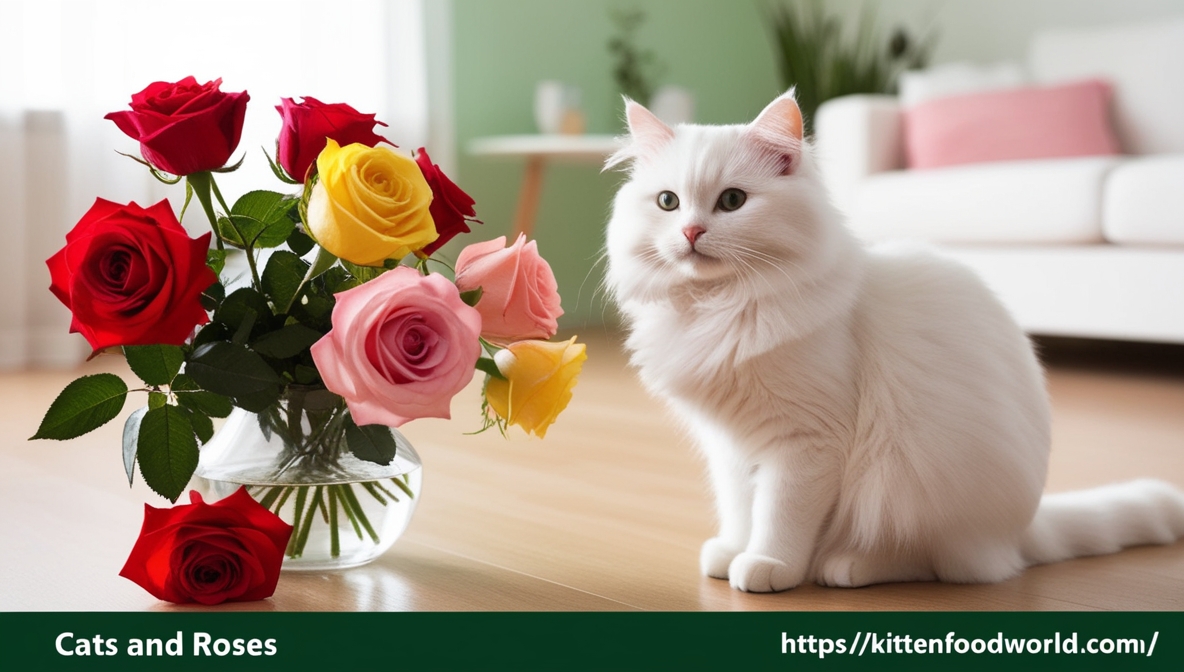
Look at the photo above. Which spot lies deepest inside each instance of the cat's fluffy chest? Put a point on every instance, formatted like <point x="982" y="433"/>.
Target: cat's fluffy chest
<point x="694" y="358"/>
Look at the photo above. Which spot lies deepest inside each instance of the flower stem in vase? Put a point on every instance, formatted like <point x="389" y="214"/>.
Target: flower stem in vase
<point x="297" y="461"/>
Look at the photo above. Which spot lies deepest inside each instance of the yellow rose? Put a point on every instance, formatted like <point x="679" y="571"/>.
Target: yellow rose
<point x="371" y="204"/>
<point x="540" y="376"/>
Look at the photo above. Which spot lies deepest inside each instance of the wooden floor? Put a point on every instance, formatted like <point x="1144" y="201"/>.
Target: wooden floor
<point x="607" y="514"/>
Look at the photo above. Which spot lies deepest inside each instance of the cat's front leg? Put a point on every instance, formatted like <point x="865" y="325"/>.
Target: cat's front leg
<point x="731" y="481"/>
<point x="794" y="488"/>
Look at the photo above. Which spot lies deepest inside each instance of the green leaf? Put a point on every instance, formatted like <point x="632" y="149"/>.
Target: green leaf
<point x="131" y="436"/>
<point x="216" y="260"/>
<point x="236" y="307"/>
<point x="207" y="403"/>
<point x="243" y="333"/>
<point x="211" y="333"/>
<point x="230" y="370"/>
<point x="203" y="427"/>
<point x="372" y="443"/>
<point x="472" y="296"/>
<point x="260" y="219"/>
<point x="258" y="402"/>
<point x="489" y="366"/>
<point x="300" y="243"/>
<point x="363" y="273"/>
<point x="191" y="396"/>
<point x="227" y="233"/>
<point x="337" y="279"/>
<point x="317" y="308"/>
<point x="85" y="405"/>
<point x="167" y="451"/>
<point x="287" y="342"/>
<point x="321" y="263"/>
<point x="157" y="400"/>
<point x="307" y="375"/>
<point x="283" y="278"/>
<point x="154" y="364"/>
<point x="213" y="296"/>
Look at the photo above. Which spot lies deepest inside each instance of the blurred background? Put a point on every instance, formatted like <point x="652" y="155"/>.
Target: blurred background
<point x="444" y="74"/>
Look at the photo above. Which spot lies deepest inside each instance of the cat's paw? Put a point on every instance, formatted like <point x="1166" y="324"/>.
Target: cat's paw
<point x="838" y="571"/>
<point x="756" y="573"/>
<point x="851" y="570"/>
<point x="715" y="556"/>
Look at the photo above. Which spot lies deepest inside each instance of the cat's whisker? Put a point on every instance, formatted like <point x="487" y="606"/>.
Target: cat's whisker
<point x="602" y="286"/>
<point x="773" y="262"/>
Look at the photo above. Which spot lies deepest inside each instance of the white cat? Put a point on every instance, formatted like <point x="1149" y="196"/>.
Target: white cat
<point x="867" y="415"/>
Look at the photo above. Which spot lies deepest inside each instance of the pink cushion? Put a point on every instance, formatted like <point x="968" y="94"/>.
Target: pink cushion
<point x="1025" y="123"/>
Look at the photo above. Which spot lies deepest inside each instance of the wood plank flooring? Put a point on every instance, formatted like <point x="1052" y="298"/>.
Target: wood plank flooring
<point x="606" y="514"/>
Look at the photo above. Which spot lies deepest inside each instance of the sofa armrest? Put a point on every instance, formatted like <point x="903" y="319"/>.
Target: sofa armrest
<point x="855" y="137"/>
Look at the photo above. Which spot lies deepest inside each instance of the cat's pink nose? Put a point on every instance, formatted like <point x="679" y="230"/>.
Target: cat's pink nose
<point x="693" y="232"/>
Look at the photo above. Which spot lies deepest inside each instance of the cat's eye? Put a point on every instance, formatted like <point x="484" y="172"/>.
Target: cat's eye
<point x="731" y="200"/>
<point x="668" y="200"/>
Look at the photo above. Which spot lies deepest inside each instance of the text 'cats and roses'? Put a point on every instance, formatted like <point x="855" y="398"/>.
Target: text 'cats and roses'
<point x="201" y="644"/>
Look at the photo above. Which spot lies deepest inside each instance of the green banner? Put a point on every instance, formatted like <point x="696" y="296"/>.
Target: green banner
<point x="183" y="640"/>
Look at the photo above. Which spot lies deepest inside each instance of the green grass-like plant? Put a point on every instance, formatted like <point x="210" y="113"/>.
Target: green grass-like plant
<point x="823" y="61"/>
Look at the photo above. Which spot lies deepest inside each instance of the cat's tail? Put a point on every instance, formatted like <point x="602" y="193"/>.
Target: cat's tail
<point x="1104" y="520"/>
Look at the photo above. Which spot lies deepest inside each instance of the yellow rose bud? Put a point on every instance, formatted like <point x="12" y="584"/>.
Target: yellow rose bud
<point x="540" y="376"/>
<point x="371" y="204"/>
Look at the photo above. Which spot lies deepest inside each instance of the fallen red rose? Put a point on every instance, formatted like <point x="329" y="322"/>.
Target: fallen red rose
<point x="132" y="276"/>
<point x="451" y="207"/>
<point x="230" y="550"/>
<point x="184" y="127"/>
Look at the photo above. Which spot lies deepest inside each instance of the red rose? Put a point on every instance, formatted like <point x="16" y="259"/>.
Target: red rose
<point x="132" y="276"/>
<point x="308" y="124"/>
<point x="451" y="207"/>
<point x="209" y="553"/>
<point x="185" y="127"/>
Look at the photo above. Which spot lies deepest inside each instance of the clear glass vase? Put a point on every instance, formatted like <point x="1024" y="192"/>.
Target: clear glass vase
<point x="295" y="459"/>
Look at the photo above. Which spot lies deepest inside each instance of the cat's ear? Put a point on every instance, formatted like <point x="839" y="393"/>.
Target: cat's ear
<point x="779" y="127"/>
<point x="647" y="134"/>
<point x="644" y="126"/>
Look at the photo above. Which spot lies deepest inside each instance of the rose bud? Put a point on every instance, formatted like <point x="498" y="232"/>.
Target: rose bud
<point x="184" y="127"/>
<point x="230" y="550"/>
<point x="132" y="276"/>
<point x="539" y="379"/>
<point x="520" y="298"/>
<point x="451" y="206"/>
<point x="370" y="204"/>
<point x="401" y="346"/>
<point x="308" y="124"/>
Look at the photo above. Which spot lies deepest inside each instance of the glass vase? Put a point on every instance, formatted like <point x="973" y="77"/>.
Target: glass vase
<point x="296" y="458"/>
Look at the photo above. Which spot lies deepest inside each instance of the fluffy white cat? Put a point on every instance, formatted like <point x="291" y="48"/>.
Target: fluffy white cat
<point x="867" y="415"/>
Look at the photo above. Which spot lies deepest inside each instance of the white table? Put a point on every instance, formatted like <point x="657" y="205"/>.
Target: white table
<point x="538" y="150"/>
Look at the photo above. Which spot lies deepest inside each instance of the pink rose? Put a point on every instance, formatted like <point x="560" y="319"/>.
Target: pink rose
<point x="520" y="300"/>
<point x="402" y="345"/>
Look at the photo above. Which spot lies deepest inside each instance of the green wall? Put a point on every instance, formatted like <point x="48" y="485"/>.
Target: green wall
<point x="717" y="49"/>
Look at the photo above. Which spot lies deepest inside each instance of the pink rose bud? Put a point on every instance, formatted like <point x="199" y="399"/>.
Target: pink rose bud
<point x="520" y="298"/>
<point x="402" y="345"/>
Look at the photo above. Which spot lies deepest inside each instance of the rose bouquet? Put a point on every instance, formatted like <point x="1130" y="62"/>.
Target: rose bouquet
<point x="344" y="326"/>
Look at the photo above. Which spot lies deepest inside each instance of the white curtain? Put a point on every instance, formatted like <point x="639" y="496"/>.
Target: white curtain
<point x="66" y="63"/>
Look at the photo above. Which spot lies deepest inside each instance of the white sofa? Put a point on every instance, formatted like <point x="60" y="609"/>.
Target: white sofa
<point x="1086" y="247"/>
